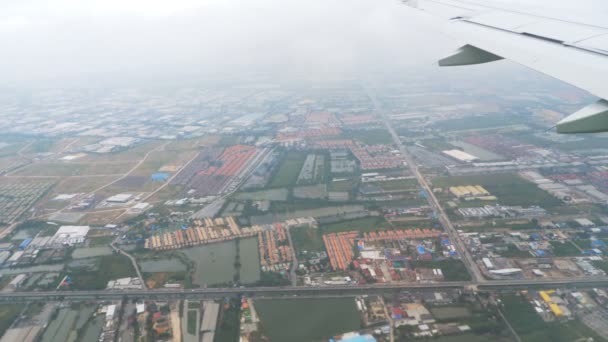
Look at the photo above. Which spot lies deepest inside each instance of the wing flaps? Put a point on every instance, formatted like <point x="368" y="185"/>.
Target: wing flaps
<point x="468" y="55"/>
<point x="591" y="119"/>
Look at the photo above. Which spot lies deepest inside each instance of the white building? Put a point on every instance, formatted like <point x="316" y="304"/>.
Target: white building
<point x="460" y="155"/>
<point x="15" y="257"/>
<point x="124" y="284"/>
<point x="69" y="235"/>
<point x="120" y="198"/>
<point x="17" y="281"/>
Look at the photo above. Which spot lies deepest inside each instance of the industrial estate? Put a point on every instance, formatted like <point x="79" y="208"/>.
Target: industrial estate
<point x="451" y="216"/>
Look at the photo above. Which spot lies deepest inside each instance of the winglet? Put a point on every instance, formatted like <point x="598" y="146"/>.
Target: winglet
<point x="467" y="55"/>
<point x="591" y="119"/>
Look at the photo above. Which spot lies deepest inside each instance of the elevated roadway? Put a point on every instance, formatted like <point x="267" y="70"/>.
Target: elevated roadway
<point x="293" y="291"/>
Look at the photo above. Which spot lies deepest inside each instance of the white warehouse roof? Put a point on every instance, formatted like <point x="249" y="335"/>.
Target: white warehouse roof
<point x="70" y="234"/>
<point x="119" y="198"/>
<point x="460" y="155"/>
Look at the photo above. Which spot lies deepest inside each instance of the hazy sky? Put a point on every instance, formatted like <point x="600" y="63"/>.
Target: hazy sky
<point x="64" y="39"/>
<point x="79" y="37"/>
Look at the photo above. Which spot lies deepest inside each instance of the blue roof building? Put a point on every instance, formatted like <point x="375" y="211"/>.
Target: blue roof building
<point x="25" y="243"/>
<point x="160" y="177"/>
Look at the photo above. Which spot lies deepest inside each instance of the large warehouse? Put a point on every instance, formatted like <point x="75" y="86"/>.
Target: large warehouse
<point x="460" y="155"/>
<point x="70" y="235"/>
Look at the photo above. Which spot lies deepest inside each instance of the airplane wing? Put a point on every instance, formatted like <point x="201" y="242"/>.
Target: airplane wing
<point x="573" y="52"/>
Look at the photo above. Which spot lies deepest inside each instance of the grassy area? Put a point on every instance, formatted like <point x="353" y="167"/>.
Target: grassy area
<point x="508" y="187"/>
<point x="229" y="325"/>
<point x="228" y="140"/>
<point x="344" y="185"/>
<point x="514" y="252"/>
<point x="299" y="204"/>
<point x="414" y="223"/>
<point x="562" y="249"/>
<point x="521" y="315"/>
<point x="191" y="323"/>
<point x="601" y="264"/>
<point x="437" y="144"/>
<point x="531" y="328"/>
<point x="453" y="270"/>
<point x="8" y="313"/>
<point x="587" y="143"/>
<point x="478" y="122"/>
<point x="307" y="239"/>
<point x="101" y="241"/>
<point x="364" y="224"/>
<point x="40" y="146"/>
<point x="370" y="136"/>
<point x="110" y="267"/>
<point x="288" y="171"/>
<point x="316" y="318"/>
<point x="397" y="184"/>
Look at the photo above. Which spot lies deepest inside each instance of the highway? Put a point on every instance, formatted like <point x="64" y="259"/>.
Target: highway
<point x="463" y="252"/>
<point x="300" y="291"/>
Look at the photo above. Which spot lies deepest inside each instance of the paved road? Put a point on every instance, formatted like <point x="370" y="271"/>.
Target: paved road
<point x="389" y="318"/>
<point x="300" y="291"/>
<point x="463" y="252"/>
<point x="294" y="261"/>
<point x="133" y="261"/>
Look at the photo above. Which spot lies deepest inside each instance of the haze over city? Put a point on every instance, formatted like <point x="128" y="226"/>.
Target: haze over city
<point x="210" y="171"/>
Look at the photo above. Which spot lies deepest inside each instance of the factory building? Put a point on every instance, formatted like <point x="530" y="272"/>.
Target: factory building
<point x="460" y="155"/>
<point x="69" y="235"/>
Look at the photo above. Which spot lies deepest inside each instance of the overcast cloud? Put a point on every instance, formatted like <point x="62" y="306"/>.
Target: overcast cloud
<point x="65" y="39"/>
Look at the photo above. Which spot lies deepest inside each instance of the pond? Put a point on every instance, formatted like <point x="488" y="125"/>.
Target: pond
<point x="162" y="265"/>
<point x="214" y="263"/>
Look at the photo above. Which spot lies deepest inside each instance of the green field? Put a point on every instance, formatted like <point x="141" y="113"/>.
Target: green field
<point x="307" y="320"/>
<point x="563" y="249"/>
<point x="588" y="142"/>
<point x="364" y="224"/>
<point x="306" y="239"/>
<point x="109" y="267"/>
<point x="191" y="323"/>
<point x="452" y="269"/>
<point x="344" y="185"/>
<point x="8" y="313"/>
<point x="601" y="264"/>
<point x="101" y="241"/>
<point x="40" y="146"/>
<point x="514" y="252"/>
<point x="508" y="187"/>
<point x="531" y="328"/>
<point x="478" y="122"/>
<point x="437" y="144"/>
<point x="397" y="184"/>
<point x="228" y="327"/>
<point x="374" y="136"/>
<point x="288" y="171"/>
